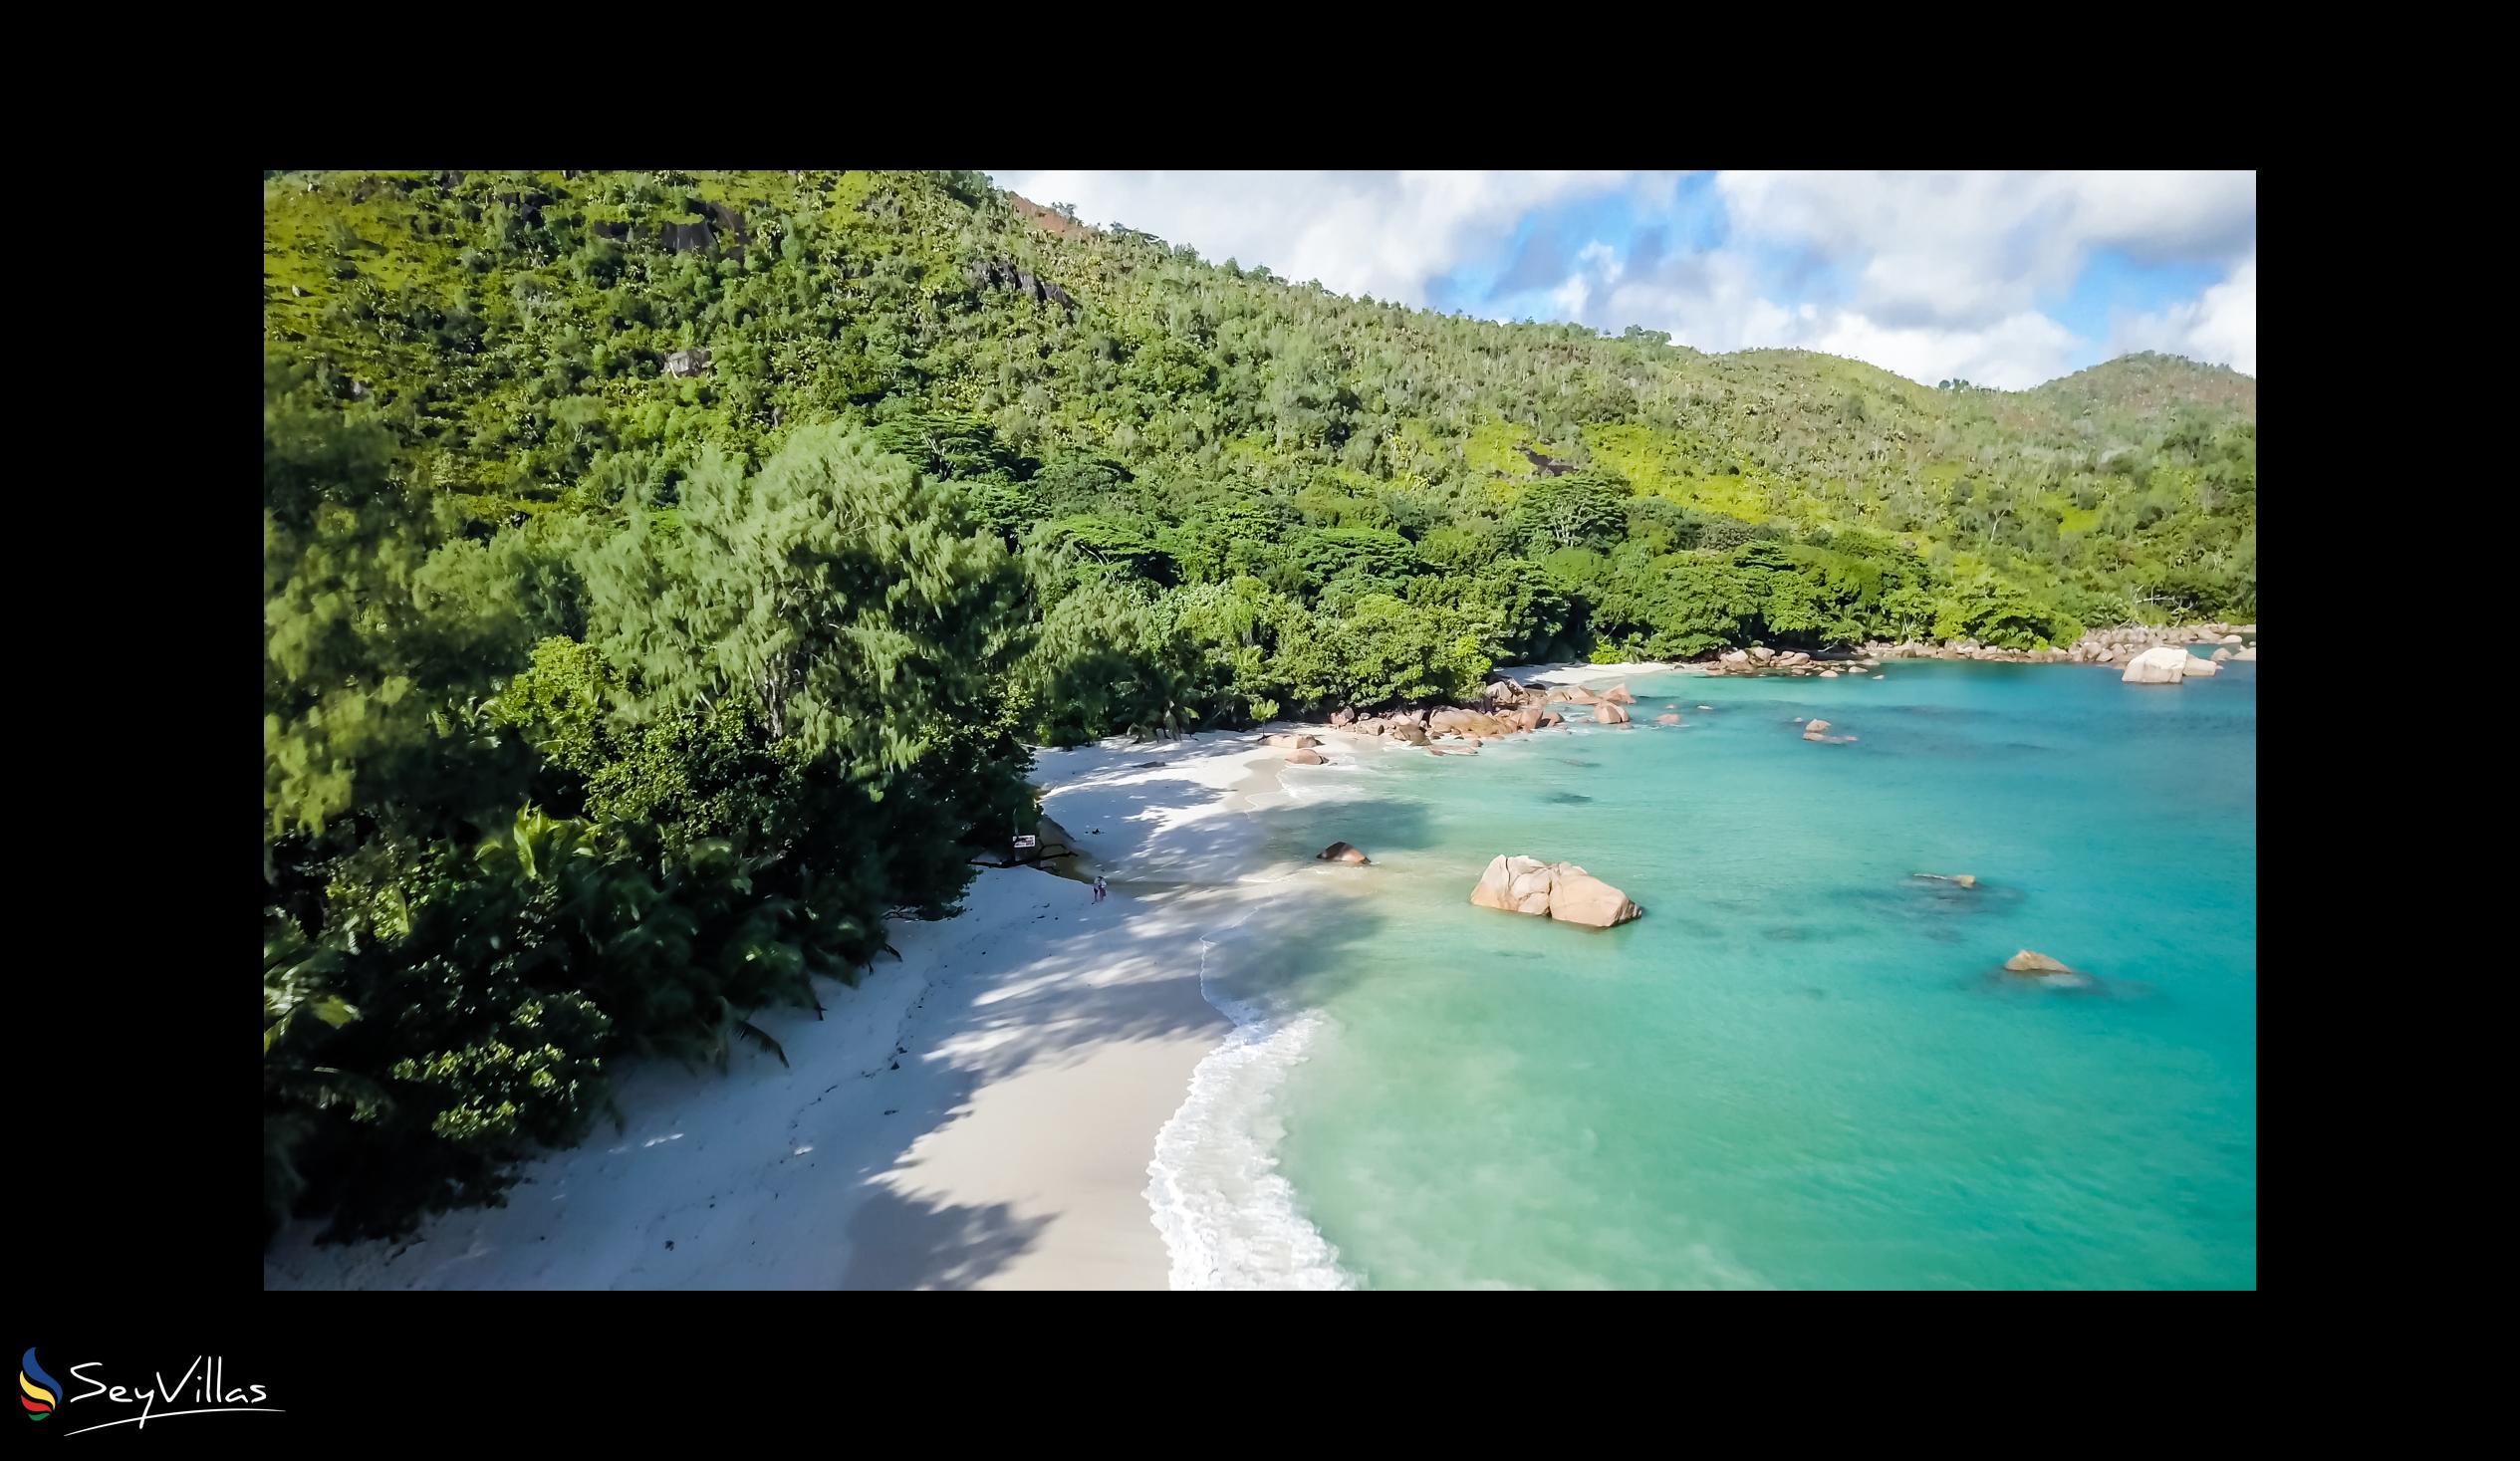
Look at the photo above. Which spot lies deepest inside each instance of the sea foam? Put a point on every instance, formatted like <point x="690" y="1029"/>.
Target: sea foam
<point x="1229" y="1219"/>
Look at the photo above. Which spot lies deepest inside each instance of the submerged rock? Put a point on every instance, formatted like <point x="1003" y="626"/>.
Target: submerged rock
<point x="1559" y="891"/>
<point x="1340" y="852"/>
<point x="1666" y="718"/>
<point x="1956" y="880"/>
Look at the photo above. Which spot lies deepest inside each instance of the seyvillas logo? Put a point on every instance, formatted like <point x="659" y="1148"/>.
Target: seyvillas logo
<point x="202" y="1390"/>
<point x="43" y="1393"/>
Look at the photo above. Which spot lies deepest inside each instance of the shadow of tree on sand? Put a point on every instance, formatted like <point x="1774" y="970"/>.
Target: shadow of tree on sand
<point x="897" y="1242"/>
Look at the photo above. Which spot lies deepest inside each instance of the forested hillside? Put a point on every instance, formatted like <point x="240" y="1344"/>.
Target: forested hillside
<point x="664" y="572"/>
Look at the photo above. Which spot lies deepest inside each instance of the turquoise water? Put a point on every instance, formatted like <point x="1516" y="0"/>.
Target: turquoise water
<point x="1802" y="1068"/>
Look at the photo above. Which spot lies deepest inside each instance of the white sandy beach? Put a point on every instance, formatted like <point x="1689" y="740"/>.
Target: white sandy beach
<point x="980" y="1113"/>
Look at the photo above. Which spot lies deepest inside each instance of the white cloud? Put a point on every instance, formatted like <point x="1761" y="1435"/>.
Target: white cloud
<point x="2219" y="325"/>
<point x="1712" y="301"/>
<point x="1387" y="234"/>
<point x="1973" y="249"/>
<point x="2012" y="354"/>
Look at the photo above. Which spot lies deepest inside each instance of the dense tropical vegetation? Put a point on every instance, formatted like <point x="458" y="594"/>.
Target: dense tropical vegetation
<point x="663" y="574"/>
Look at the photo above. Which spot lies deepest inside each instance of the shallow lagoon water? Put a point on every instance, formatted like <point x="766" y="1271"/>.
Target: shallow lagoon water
<point x="1803" y="1068"/>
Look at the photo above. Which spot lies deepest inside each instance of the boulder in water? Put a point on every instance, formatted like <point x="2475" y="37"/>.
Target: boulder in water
<point x="1514" y="884"/>
<point x="1956" y="880"/>
<point x="1815" y="730"/>
<point x="1340" y="852"/>
<point x="2195" y="666"/>
<point x="2031" y="962"/>
<point x="1559" y="891"/>
<point x="1617" y="695"/>
<point x="1302" y="756"/>
<point x="2164" y="664"/>
<point x="1610" y="713"/>
<point x="1579" y="897"/>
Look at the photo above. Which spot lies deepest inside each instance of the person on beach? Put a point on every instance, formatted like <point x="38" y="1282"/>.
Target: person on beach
<point x="1099" y="891"/>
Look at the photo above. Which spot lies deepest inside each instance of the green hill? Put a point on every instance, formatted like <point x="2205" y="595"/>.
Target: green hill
<point x="518" y="349"/>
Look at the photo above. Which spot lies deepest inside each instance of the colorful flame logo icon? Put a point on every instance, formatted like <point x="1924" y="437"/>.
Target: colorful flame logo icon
<point x="43" y="1391"/>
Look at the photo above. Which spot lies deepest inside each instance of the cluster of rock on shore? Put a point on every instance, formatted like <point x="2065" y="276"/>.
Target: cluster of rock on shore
<point x="1508" y="707"/>
<point x="1760" y="659"/>
<point x="1505" y="708"/>
<point x="2101" y="647"/>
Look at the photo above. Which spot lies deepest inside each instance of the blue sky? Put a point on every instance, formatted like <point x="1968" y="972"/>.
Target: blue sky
<point x="2005" y="279"/>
